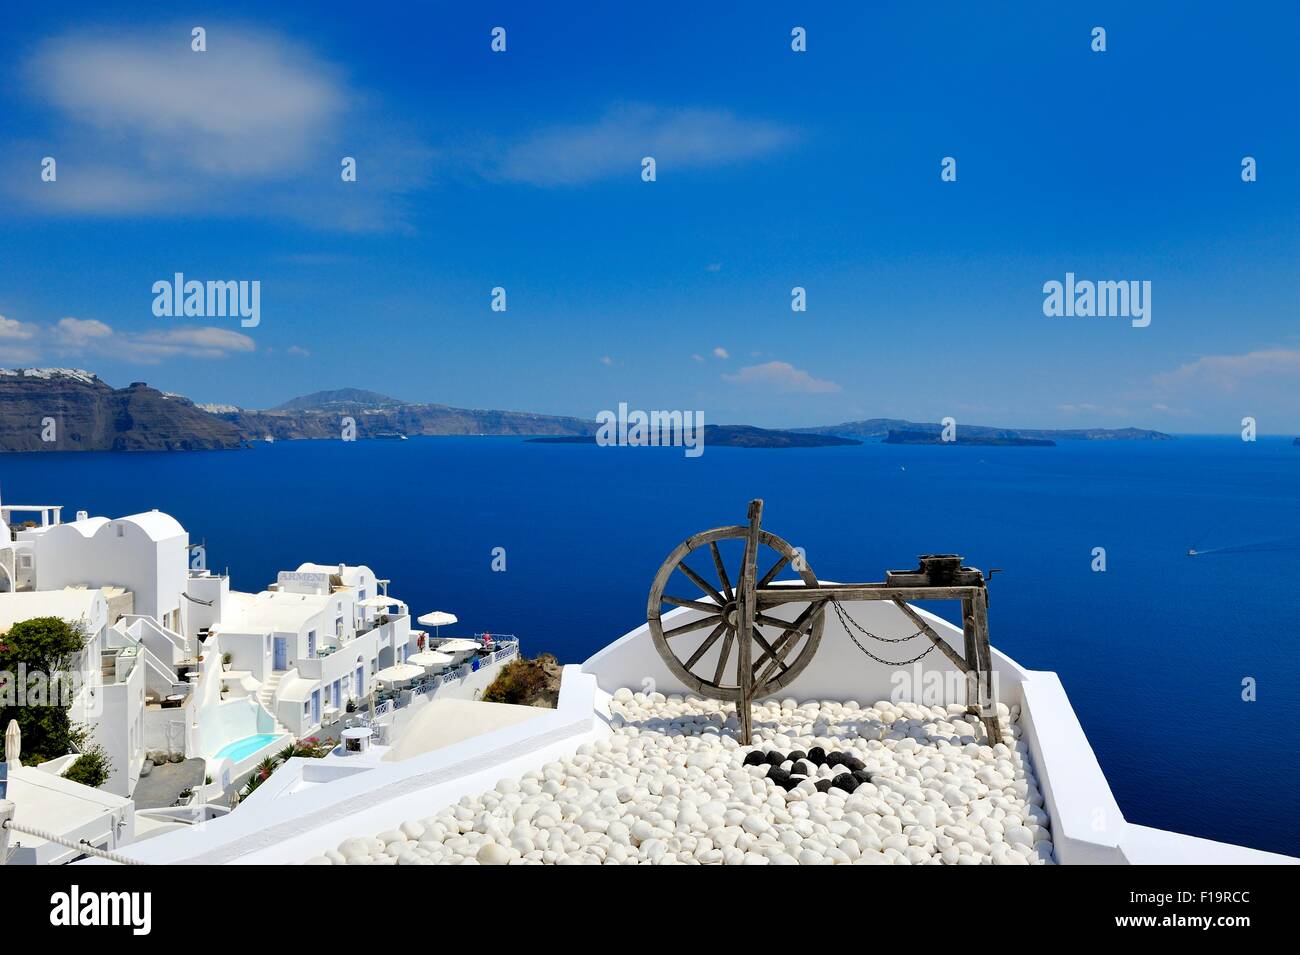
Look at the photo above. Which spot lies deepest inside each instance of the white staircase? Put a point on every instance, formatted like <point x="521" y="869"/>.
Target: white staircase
<point x="266" y="696"/>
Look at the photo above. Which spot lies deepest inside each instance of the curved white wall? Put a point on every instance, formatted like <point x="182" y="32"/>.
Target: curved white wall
<point x="838" y="671"/>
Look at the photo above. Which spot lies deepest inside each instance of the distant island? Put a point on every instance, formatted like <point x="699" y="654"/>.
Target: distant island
<point x="991" y="440"/>
<point x="881" y="427"/>
<point x="732" y="436"/>
<point x="68" y="409"/>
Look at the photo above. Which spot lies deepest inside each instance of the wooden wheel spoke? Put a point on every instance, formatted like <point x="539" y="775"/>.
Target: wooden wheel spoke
<point x="722" y="570"/>
<point x="693" y="626"/>
<point x="703" y="648"/>
<point x="692" y="604"/>
<point x="701" y="582"/>
<point x="722" y="656"/>
<point x="768" y="651"/>
<point x="770" y="621"/>
<point x="771" y="574"/>
<point x="788" y="638"/>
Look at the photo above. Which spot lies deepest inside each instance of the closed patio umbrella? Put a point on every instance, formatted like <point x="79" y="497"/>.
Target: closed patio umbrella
<point x="13" y="743"/>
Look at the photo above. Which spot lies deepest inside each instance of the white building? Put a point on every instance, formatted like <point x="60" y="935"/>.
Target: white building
<point x="109" y="685"/>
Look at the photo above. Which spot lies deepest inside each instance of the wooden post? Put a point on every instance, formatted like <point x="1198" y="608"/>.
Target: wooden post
<point x="987" y="704"/>
<point x="972" y="656"/>
<point x="745" y="610"/>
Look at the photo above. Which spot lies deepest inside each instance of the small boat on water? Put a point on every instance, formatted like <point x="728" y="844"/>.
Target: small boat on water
<point x="269" y="439"/>
<point x="1191" y="552"/>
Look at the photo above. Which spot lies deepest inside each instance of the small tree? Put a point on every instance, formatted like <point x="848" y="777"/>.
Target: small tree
<point x="45" y="646"/>
<point x="91" y="768"/>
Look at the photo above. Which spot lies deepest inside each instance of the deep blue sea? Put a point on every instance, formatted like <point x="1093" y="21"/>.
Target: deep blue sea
<point x="1153" y="651"/>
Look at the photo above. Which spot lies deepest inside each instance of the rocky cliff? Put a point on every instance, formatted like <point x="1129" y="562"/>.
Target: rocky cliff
<point x="67" y="409"/>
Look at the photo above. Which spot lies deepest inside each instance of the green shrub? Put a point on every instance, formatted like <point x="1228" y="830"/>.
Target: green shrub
<point x="91" y="768"/>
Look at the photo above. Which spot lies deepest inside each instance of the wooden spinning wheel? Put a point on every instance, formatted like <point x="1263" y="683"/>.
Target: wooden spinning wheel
<point x="733" y="638"/>
<point x="747" y="637"/>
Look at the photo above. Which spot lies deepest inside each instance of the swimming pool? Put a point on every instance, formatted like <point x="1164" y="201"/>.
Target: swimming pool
<point x="241" y="749"/>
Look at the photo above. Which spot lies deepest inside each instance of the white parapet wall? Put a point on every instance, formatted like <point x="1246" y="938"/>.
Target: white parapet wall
<point x="293" y="826"/>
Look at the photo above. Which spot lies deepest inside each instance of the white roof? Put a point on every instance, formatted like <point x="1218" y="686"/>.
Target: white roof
<point x="156" y="524"/>
<point x="71" y="605"/>
<point x="275" y="610"/>
<point x="44" y="800"/>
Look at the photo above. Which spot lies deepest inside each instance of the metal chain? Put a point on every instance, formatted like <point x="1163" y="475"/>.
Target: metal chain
<point x="846" y="620"/>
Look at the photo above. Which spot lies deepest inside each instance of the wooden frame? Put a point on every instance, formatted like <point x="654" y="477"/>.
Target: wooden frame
<point x="736" y="616"/>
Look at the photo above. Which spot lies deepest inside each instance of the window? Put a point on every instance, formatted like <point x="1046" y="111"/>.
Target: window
<point x="121" y="531"/>
<point x="25" y="561"/>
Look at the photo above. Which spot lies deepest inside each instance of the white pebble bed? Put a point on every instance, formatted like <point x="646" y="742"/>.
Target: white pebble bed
<point x="669" y="787"/>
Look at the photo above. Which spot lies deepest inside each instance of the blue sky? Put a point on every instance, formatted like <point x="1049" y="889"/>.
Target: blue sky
<point x="775" y="169"/>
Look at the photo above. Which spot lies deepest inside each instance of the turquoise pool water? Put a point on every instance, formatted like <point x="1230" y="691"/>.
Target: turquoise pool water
<point x="243" y="748"/>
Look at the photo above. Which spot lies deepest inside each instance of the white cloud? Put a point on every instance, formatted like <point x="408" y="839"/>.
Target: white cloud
<point x="89" y="337"/>
<point x="606" y="360"/>
<point x="784" y="377"/>
<point x="298" y="351"/>
<point x="79" y="332"/>
<point x="1230" y="372"/>
<point x="697" y="358"/>
<point x="248" y="106"/>
<point x="255" y="126"/>
<point x="12" y="330"/>
<point x="614" y="145"/>
<point x="721" y="352"/>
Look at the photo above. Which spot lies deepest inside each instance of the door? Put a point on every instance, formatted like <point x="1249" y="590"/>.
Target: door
<point x="335" y="693"/>
<point x="281" y="659"/>
<point x="311" y="644"/>
<point x="315" y="707"/>
<point x="361" y="682"/>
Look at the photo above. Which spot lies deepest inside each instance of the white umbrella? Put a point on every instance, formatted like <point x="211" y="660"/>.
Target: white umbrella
<point x="429" y="658"/>
<point x="399" y="673"/>
<point x="456" y="646"/>
<point x="14" y="743"/>
<point x="379" y="602"/>
<point x="438" y="618"/>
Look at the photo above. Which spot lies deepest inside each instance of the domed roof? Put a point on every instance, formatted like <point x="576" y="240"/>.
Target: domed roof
<point x="156" y="524"/>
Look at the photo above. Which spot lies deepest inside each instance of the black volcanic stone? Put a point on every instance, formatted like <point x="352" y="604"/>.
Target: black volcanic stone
<point x="774" y="758"/>
<point x="823" y="785"/>
<point x="852" y="764"/>
<point x="861" y="775"/>
<point x="845" y="781"/>
<point x="789" y="783"/>
<point x="778" y="775"/>
<point x="835" y="758"/>
<point x="796" y="755"/>
<point x="754" y="758"/>
<point x="801" y="769"/>
<point x="817" y="756"/>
